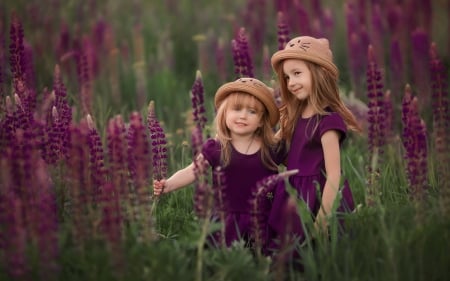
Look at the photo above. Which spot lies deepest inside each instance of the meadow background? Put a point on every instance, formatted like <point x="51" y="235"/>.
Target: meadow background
<point x="99" y="97"/>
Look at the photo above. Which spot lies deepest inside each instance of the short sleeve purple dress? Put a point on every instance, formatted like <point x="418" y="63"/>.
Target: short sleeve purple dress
<point x="306" y="155"/>
<point x="241" y="176"/>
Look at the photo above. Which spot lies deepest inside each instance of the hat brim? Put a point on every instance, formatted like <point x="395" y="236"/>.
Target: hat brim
<point x="282" y="55"/>
<point x="258" y="90"/>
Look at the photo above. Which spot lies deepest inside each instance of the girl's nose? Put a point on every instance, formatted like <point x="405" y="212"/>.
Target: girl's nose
<point x="243" y="113"/>
<point x="290" y="82"/>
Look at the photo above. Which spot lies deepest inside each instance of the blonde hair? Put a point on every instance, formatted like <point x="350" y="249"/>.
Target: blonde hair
<point x="324" y="93"/>
<point x="265" y="132"/>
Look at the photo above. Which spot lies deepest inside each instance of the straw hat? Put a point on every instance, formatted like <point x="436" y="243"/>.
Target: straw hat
<point x="309" y="49"/>
<point x="253" y="87"/>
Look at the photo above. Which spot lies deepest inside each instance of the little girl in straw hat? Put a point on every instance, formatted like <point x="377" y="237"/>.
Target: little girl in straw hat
<point x="313" y="123"/>
<point x="245" y="148"/>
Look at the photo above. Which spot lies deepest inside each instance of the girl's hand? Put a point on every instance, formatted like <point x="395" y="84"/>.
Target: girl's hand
<point x="158" y="187"/>
<point x="321" y="223"/>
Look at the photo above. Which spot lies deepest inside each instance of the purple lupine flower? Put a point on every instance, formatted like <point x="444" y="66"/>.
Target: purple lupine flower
<point x="116" y="152"/>
<point x="388" y="109"/>
<point x="376" y="122"/>
<point x="220" y="60"/>
<point x="17" y="57"/>
<point x="376" y="113"/>
<point x="300" y="18"/>
<point x="64" y="110"/>
<point x="81" y="190"/>
<point x="158" y="144"/>
<point x="139" y="168"/>
<point x="62" y="47"/>
<point x="244" y="46"/>
<point x="415" y="143"/>
<point x="7" y="127"/>
<point x="441" y="126"/>
<point x="30" y="77"/>
<point x="440" y="103"/>
<point x="3" y="63"/>
<point x="237" y="58"/>
<point x="138" y="152"/>
<point x="397" y="72"/>
<point x="282" y="30"/>
<point x="266" y="65"/>
<point x="15" y="248"/>
<point x="55" y="133"/>
<point x="241" y="55"/>
<point x="220" y="181"/>
<point x="261" y="203"/>
<point x="377" y="34"/>
<point x="357" y="41"/>
<point x="84" y="80"/>
<point x="197" y="100"/>
<point x="203" y="197"/>
<point x="97" y="159"/>
<point x="111" y="224"/>
<point x="254" y="17"/>
<point x="420" y="65"/>
<point x="47" y="223"/>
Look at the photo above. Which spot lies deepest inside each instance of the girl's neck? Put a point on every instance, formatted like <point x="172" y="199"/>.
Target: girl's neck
<point x="307" y="112"/>
<point x="246" y="144"/>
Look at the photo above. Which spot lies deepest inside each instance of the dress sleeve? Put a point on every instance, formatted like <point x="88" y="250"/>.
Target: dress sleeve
<point x="211" y="152"/>
<point x="333" y="121"/>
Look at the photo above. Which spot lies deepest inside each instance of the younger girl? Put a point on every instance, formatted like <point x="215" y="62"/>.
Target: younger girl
<point x="245" y="148"/>
<point x="313" y="123"/>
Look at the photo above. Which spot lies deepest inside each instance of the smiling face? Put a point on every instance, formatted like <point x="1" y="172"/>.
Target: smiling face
<point x="243" y="115"/>
<point x="298" y="78"/>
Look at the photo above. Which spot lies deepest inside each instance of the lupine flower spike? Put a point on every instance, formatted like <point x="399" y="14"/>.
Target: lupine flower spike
<point x="159" y="149"/>
<point x="441" y="126"/>
<point x="261" y="201"/>
<point x="197" y="99"/>
<point x="376" y="122"/>
<point x="415" y="143"/>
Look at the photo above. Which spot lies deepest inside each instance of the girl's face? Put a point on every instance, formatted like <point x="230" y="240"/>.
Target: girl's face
<point x="298" y="78"/>
<point x="243" y="115"/>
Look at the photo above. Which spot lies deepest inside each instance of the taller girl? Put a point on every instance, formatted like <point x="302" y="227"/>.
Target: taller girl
<point x="313" y="123"/>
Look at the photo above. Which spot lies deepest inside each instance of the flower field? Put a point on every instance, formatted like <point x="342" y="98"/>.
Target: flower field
<point x="98" y="98"/>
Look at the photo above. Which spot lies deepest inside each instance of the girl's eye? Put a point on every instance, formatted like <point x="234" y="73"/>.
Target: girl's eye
<point x="297" y="73"/>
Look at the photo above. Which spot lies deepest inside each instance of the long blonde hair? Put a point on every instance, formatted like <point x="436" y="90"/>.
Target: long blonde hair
<point x="324" y="93"/>
<point x="265" y="132"/>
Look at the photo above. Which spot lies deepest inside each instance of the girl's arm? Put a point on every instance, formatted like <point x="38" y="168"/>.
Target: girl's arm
<point x="332" y="156"/>
<point x="179" y="179"/>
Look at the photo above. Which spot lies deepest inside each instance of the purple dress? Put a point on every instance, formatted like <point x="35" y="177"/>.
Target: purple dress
<point x="241" y="176"/>
<point x="306" y="155"/>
